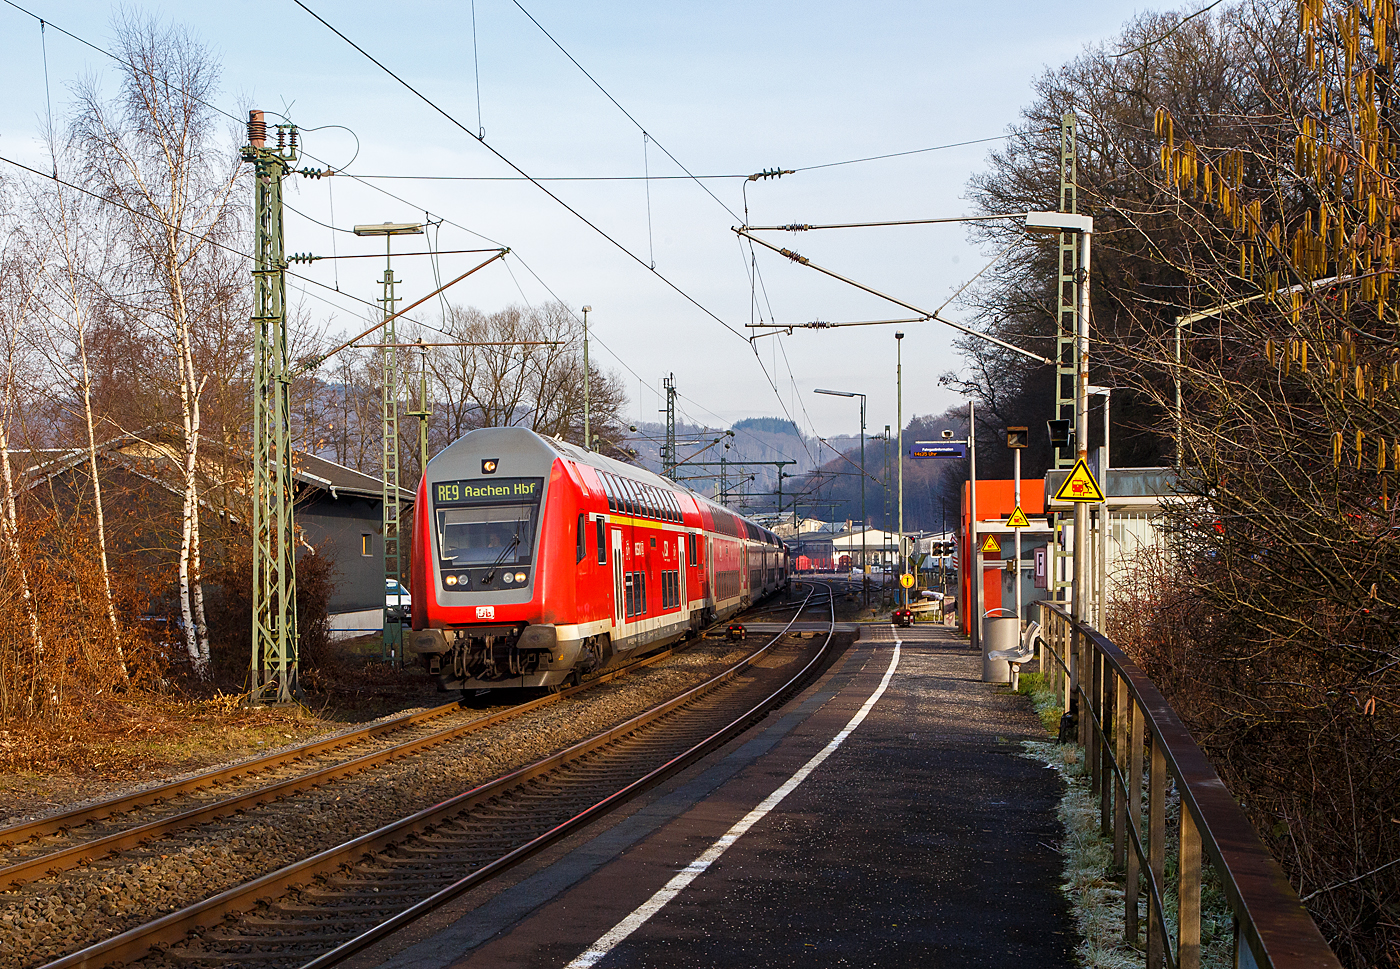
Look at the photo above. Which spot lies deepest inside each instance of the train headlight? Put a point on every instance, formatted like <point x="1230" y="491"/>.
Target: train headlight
<point x="508" y="578"/>
<point x="520" y="577"/>
<point x="451" y="580"/>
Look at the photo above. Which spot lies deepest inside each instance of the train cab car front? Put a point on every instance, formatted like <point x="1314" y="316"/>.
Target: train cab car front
<point x="482" y="554"/>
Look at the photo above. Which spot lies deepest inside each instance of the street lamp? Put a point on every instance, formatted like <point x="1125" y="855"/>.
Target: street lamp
<point x="1059" y="222"/>
<point x="899" y="452"/>
<point x="587" y="441"/>
<point x="864" y="559"/>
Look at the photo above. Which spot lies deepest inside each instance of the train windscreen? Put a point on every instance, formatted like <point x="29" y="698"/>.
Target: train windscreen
<point x="487" y="523"/>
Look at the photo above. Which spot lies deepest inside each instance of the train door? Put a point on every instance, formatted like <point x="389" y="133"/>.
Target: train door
<point x="618" y="601"/>
<point x="710" y="568"/>
<point x="680" y="573"/>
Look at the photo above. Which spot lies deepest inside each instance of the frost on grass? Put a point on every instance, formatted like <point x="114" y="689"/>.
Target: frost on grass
<point x="1096" y="899"/>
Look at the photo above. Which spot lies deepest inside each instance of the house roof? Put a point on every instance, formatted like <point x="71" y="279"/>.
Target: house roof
<point x="150" y="451"/>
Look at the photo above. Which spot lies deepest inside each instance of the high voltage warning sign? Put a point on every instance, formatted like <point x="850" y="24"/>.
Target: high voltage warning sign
<point x="1018" y="519"/>
<point x="990" y="544"/>
<point x="1080" y="485"/>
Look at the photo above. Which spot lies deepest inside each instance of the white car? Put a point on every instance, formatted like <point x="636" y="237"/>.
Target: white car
<point x="396" y="599"/>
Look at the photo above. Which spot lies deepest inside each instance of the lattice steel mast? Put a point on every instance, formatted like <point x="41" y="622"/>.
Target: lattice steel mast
<point x="1066" y="363"/>
<point x="273" y="668"/>
<point x="668" y="450"/>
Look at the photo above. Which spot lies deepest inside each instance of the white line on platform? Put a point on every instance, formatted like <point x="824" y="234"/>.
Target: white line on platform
<point x="672" y="888"/>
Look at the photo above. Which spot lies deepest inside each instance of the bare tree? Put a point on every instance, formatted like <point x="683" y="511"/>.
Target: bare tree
<point x="155" y="151"/>
<point x="16" y="298"/>
<point x="526" y="371"/>
<point x="68" y="285"/>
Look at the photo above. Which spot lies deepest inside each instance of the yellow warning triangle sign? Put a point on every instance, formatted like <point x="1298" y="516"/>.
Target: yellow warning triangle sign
<point x="990" y="544"/>
<point x="1080" y="485"/>
<point x="1018" y="519"/>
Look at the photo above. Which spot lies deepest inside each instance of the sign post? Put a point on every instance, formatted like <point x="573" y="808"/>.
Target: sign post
<point x="1016" y="440"/>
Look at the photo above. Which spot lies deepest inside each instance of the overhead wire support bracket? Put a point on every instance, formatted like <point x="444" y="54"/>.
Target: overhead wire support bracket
<point x="925" y="316"/>
<point x="316" y="361"/>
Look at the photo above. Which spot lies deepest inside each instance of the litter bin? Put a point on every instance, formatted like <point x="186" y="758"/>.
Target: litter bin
<point x="1000" y="632"/>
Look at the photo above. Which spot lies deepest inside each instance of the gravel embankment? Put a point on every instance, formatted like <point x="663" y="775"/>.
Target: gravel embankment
<point x="54" y="916"/>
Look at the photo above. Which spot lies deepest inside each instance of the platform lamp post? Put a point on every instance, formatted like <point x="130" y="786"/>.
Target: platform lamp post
<point x="1060" y="222"/>
<point x="864" y="556"/>
<point x="587" y="440"/>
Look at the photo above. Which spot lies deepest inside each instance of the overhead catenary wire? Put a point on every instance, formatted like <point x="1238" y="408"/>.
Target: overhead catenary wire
<point x="586" y="221"/>
<point x="341" y="173"/>
<point x="569" y="208"/>
<point x="363" y="180"/>
<point x="796" y="257"/>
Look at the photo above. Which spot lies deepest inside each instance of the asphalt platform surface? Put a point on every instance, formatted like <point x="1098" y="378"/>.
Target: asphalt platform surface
<point x="924" y="839"/>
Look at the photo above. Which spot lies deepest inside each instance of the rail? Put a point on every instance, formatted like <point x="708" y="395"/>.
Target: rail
<point x="1123" y="720"/>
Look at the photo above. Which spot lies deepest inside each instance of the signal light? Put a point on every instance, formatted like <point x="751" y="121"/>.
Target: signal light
<point x="1017" y="437"/>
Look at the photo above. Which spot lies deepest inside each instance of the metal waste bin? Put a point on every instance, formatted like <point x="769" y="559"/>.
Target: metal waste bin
<point x="999" y="633"/>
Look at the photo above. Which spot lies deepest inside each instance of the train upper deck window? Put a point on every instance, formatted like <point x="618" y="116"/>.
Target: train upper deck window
<point x="602" y="541"/>
<point x="582" y="547"/>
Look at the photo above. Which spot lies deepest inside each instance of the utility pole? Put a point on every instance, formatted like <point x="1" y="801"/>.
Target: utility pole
<point x="668" y="450"/>
<point x="389" y="467"/>
<point x="587" y="437"/>
<point x="273" y="666"/>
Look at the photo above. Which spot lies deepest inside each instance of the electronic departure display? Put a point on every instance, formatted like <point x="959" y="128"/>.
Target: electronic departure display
<point x="493" y="492"/>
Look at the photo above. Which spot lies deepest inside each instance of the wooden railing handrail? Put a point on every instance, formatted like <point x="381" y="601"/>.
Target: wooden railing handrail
<point x="1271" y="919"/>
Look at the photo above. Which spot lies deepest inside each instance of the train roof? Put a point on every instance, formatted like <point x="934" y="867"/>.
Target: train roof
<point x="750" y="529"/>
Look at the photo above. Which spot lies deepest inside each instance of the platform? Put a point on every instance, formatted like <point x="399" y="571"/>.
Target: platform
<point x="923" y="838"/>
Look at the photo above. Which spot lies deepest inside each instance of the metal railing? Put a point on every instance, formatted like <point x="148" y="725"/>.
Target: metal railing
<point x="1123" y="721"/>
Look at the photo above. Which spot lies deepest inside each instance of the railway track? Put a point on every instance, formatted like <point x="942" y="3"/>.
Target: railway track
<point x="129" y="839"/>
<point x="54" y="843"/>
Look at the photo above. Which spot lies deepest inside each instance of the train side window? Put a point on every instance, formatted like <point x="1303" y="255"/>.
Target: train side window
<point x="602" y="542"/>
<point x="693" y="557"/>
<point x="582" y="539"/>
<point x="604" y="477"/>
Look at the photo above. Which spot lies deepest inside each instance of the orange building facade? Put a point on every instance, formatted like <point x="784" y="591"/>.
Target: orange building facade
<point x="995" y="500"/>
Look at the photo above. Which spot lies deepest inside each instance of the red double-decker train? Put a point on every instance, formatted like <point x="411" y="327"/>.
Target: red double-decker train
<point x="536" y="562"/>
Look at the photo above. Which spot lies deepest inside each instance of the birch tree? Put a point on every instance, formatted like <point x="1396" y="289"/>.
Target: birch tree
<point x="16" y="297"/>
<point x="155" y="150"/>
<point x="67" y="285"/>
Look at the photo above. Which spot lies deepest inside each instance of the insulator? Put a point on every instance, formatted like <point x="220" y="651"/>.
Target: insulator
<point x="294" y="140"/>
<point x="302" y="257"/>
<point x="257" y="129"/>
<point x="281" y="138"/>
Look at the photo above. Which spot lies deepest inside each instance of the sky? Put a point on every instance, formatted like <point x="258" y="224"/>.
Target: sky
<point x="719" y="88"/>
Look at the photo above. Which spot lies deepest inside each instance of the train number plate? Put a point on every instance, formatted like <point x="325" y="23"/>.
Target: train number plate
<point x="486" y="612"/>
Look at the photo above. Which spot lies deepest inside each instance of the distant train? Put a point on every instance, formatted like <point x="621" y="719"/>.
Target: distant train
<point x="536" y="562"/>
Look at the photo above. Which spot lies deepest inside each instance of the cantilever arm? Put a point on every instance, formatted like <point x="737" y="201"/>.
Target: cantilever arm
<point x="925" y="314"/>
